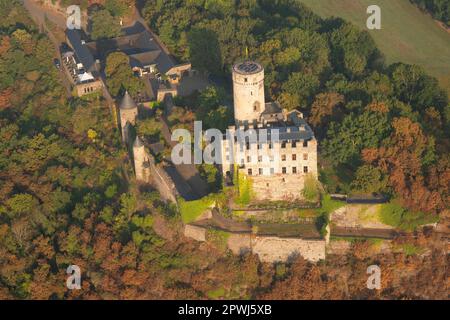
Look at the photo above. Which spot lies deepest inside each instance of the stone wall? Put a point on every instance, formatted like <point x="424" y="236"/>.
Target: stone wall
<point x="277" y="187"/>
<point x="268" y="249"/>
<point x="194" y="232"/>
<point x="88" y="88"/>
<point x="155" y="174"/>
<point x="179" y="69"/>
<point x="162" y="93"/>
<point x="272" y="249"/>
<point x="163" y="182"/>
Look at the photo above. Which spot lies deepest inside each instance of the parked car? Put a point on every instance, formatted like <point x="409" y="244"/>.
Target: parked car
<point x="64" y="47"/>
<point x="57" y="63"/>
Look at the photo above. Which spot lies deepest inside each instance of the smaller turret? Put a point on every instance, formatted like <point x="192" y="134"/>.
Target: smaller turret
<point x="128" y="112"/>
<point x="127" y="102"/>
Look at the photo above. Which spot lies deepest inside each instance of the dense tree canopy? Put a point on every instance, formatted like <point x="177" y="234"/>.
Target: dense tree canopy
<point x="120" y="77"/>
<point x="104" y="25"/>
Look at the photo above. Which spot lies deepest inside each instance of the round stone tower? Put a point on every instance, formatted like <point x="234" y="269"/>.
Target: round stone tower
<point x="248" y="91"/>
<point x="128" y="112"/>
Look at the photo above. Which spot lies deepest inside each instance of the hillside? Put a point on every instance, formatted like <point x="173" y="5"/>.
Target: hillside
<point x="408" y="35"/>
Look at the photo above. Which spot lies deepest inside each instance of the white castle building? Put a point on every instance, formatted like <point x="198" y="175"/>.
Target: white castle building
<point x="285" y="149"/>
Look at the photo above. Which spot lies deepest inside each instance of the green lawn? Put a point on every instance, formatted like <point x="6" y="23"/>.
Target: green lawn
<point x="407" y="34"/>
<point x="216" y="294"/>
<point x="245" y="190"/>
<point x="191" y="210"/>
<point x="394" y="215"/>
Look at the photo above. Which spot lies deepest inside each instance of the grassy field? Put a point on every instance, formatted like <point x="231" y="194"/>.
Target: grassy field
<point x="191" y="210"/>
<point x="407" y="35"/>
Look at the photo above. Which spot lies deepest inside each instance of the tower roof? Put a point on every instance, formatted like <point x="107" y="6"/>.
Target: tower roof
<point x="138" y="142"/>
<point x="127" y="102"/>
<point x="248" y="67"/>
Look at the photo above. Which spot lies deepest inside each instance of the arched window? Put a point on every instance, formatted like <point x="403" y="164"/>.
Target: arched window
<point x="256" y="106"/>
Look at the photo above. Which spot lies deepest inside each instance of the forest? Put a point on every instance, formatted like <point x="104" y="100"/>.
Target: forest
<point x="66" y="190"/>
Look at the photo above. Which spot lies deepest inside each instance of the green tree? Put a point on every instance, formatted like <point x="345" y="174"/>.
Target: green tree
<point x="345" y="141"/>
<point x="211" y="110"/>
<point x="20" y="204"/>
<point x="119" y="75"/>
<point x="204" y="50"/>
<point x="416" y="88"/>
<point x="150" y="128"/>
<point x="299" y="90"/>
<point x="117" y="8"/>
<point x="104" y="25"/>
<point x="369" y="179"/>
<point x="352" y="50"/>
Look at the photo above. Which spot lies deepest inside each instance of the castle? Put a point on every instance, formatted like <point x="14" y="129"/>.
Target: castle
<point x="278" y="167"/>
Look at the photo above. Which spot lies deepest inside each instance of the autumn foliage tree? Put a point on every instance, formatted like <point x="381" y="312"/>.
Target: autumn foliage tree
<point x="403" y="159"/>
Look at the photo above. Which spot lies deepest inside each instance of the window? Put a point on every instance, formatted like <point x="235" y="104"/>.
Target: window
<point x="294" y="157"/>
<point x="305" y="144"/>
<point x="294" y="144"/>
<point x="245" y="79"/>
<point x="251" y="93"/>
<point x="283" y="170"/>
<point x="249" y="159"/>
<point x="260" y="170"/>
<point x="283" y="145"/>
<point x="271" y="145"/>
<point x="247" y="145"/>
<point x="305" y="156"/>
<point x="272" y="170"/>
<point x="228" y="158"/>
<point x="272" y="158"/>
<point x="305" y="169"/>
<point x="259" y="158"/>
<point x="242" y="161"/>
<point x="249" y="172"/>
<point x="283" y="157"/>
<point x="294" y="169"/>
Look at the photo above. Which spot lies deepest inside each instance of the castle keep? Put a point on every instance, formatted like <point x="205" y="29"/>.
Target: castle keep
<point x="276" y="154"/>
<point x="285" y="150"/>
